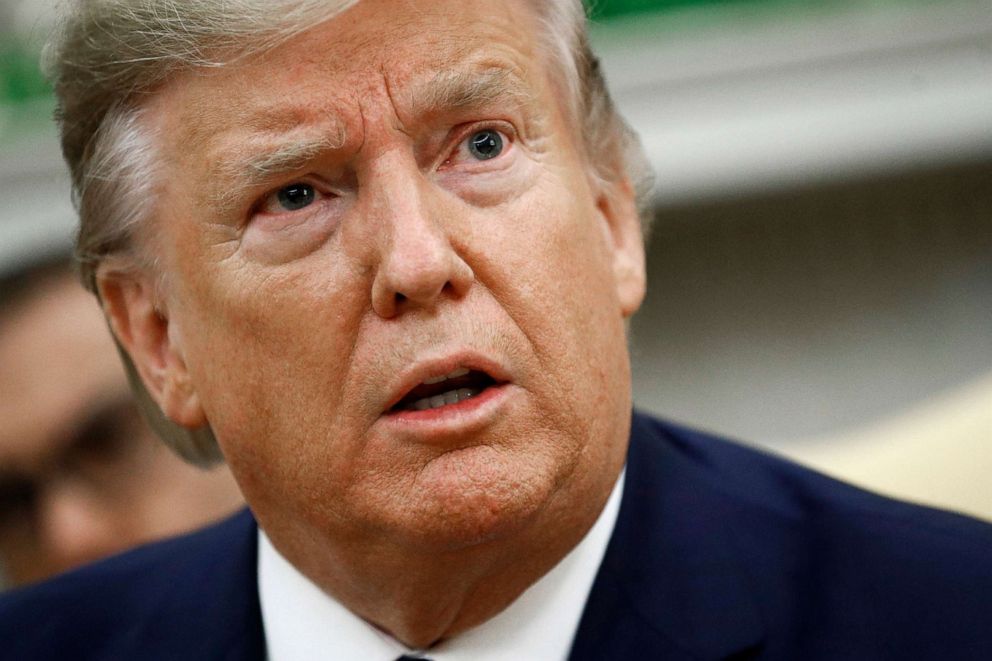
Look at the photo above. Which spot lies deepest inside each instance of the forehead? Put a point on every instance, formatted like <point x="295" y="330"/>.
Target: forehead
<point x="328" y="76"/>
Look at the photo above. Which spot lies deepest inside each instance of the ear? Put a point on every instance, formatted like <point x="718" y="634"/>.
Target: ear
<point x="618" y="208"/>
<point x="143" y="328"/>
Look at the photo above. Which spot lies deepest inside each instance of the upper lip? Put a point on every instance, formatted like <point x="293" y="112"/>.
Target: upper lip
<point x="422" y="370"/>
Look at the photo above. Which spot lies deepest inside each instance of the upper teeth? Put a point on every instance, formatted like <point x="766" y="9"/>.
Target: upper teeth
<point x="461" y="371"/>
<point x="450" y="397"/>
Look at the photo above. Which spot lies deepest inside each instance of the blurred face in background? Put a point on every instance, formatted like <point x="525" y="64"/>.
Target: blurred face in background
<point x="81" y="476"/>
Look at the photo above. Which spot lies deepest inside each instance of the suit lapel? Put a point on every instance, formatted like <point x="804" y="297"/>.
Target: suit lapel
<point x="669" y="586"/>
<point x="213" y="612"/>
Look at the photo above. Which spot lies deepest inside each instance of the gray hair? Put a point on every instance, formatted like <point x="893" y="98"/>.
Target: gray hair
<point x="109" y="56"/>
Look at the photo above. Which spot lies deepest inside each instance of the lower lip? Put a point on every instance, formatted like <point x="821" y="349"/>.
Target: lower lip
<point x="464" y="413"/>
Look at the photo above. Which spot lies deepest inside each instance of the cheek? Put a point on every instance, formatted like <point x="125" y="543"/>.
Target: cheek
<point x="547" y="262"/>
<point x="286" y="334"/>
<point x="557" y="269"/>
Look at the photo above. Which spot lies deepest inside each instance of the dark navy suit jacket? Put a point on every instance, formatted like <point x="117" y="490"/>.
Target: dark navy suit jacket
<point x="720" y="552"/>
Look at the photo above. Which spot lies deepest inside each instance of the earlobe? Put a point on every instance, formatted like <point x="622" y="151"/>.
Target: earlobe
<point x="618" y="207"/>
<point x="143" y="329"/>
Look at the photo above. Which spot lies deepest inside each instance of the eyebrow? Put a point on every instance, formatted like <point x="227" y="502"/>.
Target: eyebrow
<point x="457" y="90"/>
<point x="246" y="169"/>
<point x="289" y="156"/>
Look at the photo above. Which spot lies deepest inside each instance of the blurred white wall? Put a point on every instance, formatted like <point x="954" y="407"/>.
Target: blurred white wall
<point x="936" y="452"/>
<point x="817" y="319"/>
<point x="821" y="266"/>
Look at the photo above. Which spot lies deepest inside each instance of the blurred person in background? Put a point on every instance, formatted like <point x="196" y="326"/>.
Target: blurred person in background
<point x="81" y="474"/>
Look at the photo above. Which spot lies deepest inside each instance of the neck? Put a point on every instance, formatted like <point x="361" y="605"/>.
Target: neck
<point x="423" y="597"/>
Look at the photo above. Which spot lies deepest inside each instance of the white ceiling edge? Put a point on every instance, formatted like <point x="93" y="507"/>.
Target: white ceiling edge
<point x="741" y="107"/>
<point x="36" y="213"/>
<point x="40" y="233"/>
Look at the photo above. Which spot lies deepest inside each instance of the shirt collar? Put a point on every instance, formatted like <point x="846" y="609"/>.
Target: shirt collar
<point x="302" y="622"/>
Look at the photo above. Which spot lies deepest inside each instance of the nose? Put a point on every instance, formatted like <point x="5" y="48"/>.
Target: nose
<point x="74" y="528"/>
<point x="418" y="265"/>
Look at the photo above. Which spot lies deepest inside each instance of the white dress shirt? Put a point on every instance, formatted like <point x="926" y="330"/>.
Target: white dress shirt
<point x="302" y="623"/>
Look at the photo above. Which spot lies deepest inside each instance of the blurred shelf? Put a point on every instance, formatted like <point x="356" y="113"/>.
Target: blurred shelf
<point x="736" y="100"/>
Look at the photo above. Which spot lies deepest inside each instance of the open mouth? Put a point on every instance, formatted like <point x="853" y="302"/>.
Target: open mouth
<point x="458" y="386"/>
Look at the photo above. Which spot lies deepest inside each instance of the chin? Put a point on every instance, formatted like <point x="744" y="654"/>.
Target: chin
<point x="470" y="497"/>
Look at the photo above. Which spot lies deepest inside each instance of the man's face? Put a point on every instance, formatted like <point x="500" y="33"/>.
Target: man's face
<point x="394" y="197"/>
<point x="80" y="475"/>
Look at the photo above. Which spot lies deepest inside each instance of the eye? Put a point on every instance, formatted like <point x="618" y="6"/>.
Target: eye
<point x="485" y="145"/>
<point x="294" y="197"/>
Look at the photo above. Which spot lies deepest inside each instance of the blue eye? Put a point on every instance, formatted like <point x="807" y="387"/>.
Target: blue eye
<point x="296" y="196"/>
<point x="485" y="145"/>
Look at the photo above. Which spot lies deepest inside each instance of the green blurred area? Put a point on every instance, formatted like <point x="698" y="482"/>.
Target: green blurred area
<point x="20" y="76"/>
<point x="605" y="9"/>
